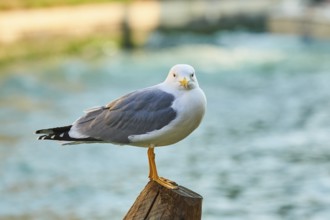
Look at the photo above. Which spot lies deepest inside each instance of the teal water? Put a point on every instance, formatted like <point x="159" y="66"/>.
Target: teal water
<point x="262" y="151"/>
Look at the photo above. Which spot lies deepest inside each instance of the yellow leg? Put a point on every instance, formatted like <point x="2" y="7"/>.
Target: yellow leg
<point x="153" y="175"/>
<point x="150" y="155"/>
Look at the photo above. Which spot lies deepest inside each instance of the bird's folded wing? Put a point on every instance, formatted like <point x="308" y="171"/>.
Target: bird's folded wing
<point x="139" y="112"/>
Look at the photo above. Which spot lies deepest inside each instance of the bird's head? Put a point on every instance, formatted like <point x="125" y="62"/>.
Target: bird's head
<point x="182" y="76"/>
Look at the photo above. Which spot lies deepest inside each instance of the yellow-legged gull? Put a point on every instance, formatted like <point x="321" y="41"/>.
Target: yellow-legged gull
<point x="155" y="116"/>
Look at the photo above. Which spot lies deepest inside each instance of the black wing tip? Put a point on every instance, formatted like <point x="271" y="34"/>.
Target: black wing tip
<point x="66" y="137"/>
<point x="43" y="137"/>
<point x="61" y="134"/>
<point x="44" y="131"/>
<point x="53" y="130"/>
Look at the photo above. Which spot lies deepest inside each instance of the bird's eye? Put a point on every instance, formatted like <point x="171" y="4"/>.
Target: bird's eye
<point x="192" y="75"/>
<point x="174" y="75"/>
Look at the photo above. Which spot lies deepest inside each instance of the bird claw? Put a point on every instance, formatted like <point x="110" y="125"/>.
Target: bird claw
<point x="167" y="183"/>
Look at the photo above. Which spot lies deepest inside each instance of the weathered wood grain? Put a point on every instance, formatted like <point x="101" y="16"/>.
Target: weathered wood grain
<point x="158" y="202"/>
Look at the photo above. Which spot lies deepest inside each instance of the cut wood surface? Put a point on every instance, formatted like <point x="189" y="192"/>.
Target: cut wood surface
<point x="158" y="202"/>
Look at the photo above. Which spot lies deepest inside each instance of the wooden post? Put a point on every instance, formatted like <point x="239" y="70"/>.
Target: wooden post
<point x="158" y="202"/>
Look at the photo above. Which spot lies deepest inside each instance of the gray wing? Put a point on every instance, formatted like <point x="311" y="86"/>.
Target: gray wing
<point x="136" y="113"/>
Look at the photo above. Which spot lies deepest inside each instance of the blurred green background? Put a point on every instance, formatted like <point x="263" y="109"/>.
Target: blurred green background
<point x="262" y="151"/>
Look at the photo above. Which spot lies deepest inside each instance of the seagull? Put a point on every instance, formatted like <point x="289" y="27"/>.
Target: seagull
<point x="155" y="116"/>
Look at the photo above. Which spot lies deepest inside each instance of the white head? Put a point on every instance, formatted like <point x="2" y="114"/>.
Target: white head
<point x="183" y="77"/>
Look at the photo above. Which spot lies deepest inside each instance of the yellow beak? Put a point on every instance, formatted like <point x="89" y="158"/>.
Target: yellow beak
<point x="184" y="82"/>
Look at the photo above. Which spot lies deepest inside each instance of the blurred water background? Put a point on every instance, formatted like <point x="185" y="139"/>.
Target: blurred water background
<point x="261" y="152"/>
